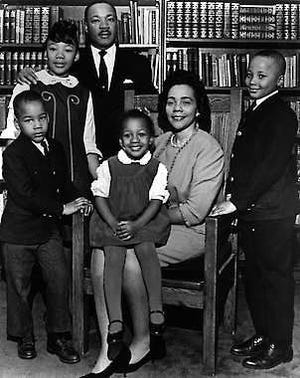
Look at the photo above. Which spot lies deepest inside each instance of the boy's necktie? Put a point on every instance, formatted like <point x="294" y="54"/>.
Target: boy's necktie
<point x="45" y="147"/>
<point x="103" y="75"/>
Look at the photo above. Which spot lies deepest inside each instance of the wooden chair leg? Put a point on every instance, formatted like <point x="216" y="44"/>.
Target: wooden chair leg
<point x="78" y="322"/>
<point x="231" y="303"/>
<point x="210" y="298"/>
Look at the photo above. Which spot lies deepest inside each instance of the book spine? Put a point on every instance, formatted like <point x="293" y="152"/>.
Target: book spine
<point x="7" y="69"/>
<point x="1" y="23"/>
<point x="21" y="58"/>
<point x="28" y="24"/>
<point x="179" y="31"/>
<point x="6" y="33"/>
<point x="294" y="21"/>
<point x="211" y="20"/>
<point x="227" y="21"/>
<point x="187" y="19"/>
<point x="45" y="22"/>
<point x="219" y="20"/>
<point x="12" y="25"/>
<point x="286" y="21"/>
<point x="171" y="21"/>
<point x="235" y="20"/>
<point x="279" y="21"/>
<point x="14" y="67"/>
<point x="2" y="67"/>
<point x="36" y="25"/>
<point x="195" y="30"/>
<point x="203" y="19"/>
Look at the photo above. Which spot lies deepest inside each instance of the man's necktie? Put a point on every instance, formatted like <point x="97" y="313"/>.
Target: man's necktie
<point x="252" y="106"/>
<point x="45" y="147"/>
<point x="103" y="75"/>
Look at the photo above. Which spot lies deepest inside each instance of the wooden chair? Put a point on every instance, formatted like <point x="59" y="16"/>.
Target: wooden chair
<point x="196" y="285"/>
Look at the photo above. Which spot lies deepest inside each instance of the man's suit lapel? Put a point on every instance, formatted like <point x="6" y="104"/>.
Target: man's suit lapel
<point x="117" y="75"/>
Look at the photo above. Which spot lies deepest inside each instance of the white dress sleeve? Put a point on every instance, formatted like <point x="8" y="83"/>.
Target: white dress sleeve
<point x="100" y="187"/>
<point x="158" y="188"/>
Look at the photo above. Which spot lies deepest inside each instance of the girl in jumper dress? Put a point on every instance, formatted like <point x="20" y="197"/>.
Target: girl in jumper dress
<point x="129" y="192"/>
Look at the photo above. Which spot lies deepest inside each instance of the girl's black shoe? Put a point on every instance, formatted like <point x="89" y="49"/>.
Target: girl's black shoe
<point x="157" y="342"/>
<point x="119" y="364"/>
<point x="115" y="342"/>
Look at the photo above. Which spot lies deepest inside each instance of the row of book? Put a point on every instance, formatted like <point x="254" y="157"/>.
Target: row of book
<point x="30" y="24"/>
<point x="27" y="24"/>
<point x="139" y="25"/>
<point x="232" y="20"/>
<point x="223" y="70"/>
<point x="11" y="62"/>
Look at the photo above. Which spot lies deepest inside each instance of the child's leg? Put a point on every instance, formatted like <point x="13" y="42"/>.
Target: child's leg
<point x="147" y="257"/>
<point x="18" y="262"/>
<point x="113" y="272"/>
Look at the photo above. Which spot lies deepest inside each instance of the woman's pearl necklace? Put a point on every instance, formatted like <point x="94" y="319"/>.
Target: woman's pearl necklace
<point x="178" y="144"/>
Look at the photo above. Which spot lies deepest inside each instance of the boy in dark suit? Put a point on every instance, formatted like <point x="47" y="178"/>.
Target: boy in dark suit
<point x="39" y="193"/>
<point x="261" y="189"/>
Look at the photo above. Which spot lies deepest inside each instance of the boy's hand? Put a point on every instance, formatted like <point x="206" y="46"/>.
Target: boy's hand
<point x="126" y="230"/>
<point x="87" y="209"/>
<point x="78" y="204"/>
<point x="27" y="76"/>
<point x="225" y="207"/>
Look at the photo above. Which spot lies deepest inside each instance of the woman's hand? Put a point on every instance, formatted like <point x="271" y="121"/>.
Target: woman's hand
<point x="225" y="207"/>
<point x="27" y="76"/>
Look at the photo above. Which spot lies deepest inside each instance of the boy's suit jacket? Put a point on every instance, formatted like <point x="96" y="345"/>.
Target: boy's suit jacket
<point x="38" y="186"/>
<point x="108" y="106"/>
<point x="262" y="171"/>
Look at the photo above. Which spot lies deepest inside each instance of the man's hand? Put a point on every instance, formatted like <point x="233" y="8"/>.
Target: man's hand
<point x="27" y="76"/>
<point x="222" y="208"/>
<point x="81" y="203"/>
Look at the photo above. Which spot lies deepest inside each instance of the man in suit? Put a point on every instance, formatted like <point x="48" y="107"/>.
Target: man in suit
<point x="106" y="79"/>
<point x="261" y="189"/>
<point x="39" y="194"/>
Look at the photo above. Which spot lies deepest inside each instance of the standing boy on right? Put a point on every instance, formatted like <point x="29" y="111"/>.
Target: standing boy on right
<point x="261" y="189"/>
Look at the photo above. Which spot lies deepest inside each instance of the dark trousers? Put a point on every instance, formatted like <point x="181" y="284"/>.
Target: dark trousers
<point x="269" y="282"/>
<point x="19" y="261"/>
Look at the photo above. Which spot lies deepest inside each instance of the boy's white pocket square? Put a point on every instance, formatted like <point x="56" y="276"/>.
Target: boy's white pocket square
<point x="127" y="81"/>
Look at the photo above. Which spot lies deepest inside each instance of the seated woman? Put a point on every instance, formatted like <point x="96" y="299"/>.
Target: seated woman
<point x="195" y="164"/>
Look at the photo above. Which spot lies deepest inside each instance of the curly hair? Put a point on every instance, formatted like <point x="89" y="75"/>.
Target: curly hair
<point x="182" y="77"/>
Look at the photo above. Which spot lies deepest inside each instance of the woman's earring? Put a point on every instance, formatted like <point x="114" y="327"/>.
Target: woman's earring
<point x="197" y="114"/>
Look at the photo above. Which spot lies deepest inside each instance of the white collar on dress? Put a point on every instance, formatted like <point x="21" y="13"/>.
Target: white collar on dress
<point x="125" y="159"/>
<point x="49" y="79"/>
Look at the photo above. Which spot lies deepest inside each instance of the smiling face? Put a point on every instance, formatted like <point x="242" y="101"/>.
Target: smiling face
<point x="181" y="107"/>
<point x="263" y="77"/>
<point x="32" y="120"/>
<point x="135" y="138"/>
<point x="101" y="25"/>
<point x="60" y="57"/>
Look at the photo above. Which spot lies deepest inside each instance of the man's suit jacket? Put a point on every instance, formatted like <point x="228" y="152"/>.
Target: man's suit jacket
<point x="262" y="171"/>
<point x="38" y="186"/>
<point x="109" y="106"/>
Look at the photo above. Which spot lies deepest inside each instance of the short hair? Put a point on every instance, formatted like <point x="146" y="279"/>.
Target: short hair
<point x="182" y="77"/>
<point x="63" y="31"/>
<point x="86" y="11"/>
<point x="275" y="55"/>
<point x="136" y="114"/>
<point x="24" y="98"/>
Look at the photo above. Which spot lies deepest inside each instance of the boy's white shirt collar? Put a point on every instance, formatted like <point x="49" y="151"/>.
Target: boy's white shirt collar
<point x="123" y="158"/>
<point x="260" y="100"/>
<point x="39" y="146"/>
<point x="49" y="79"/>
